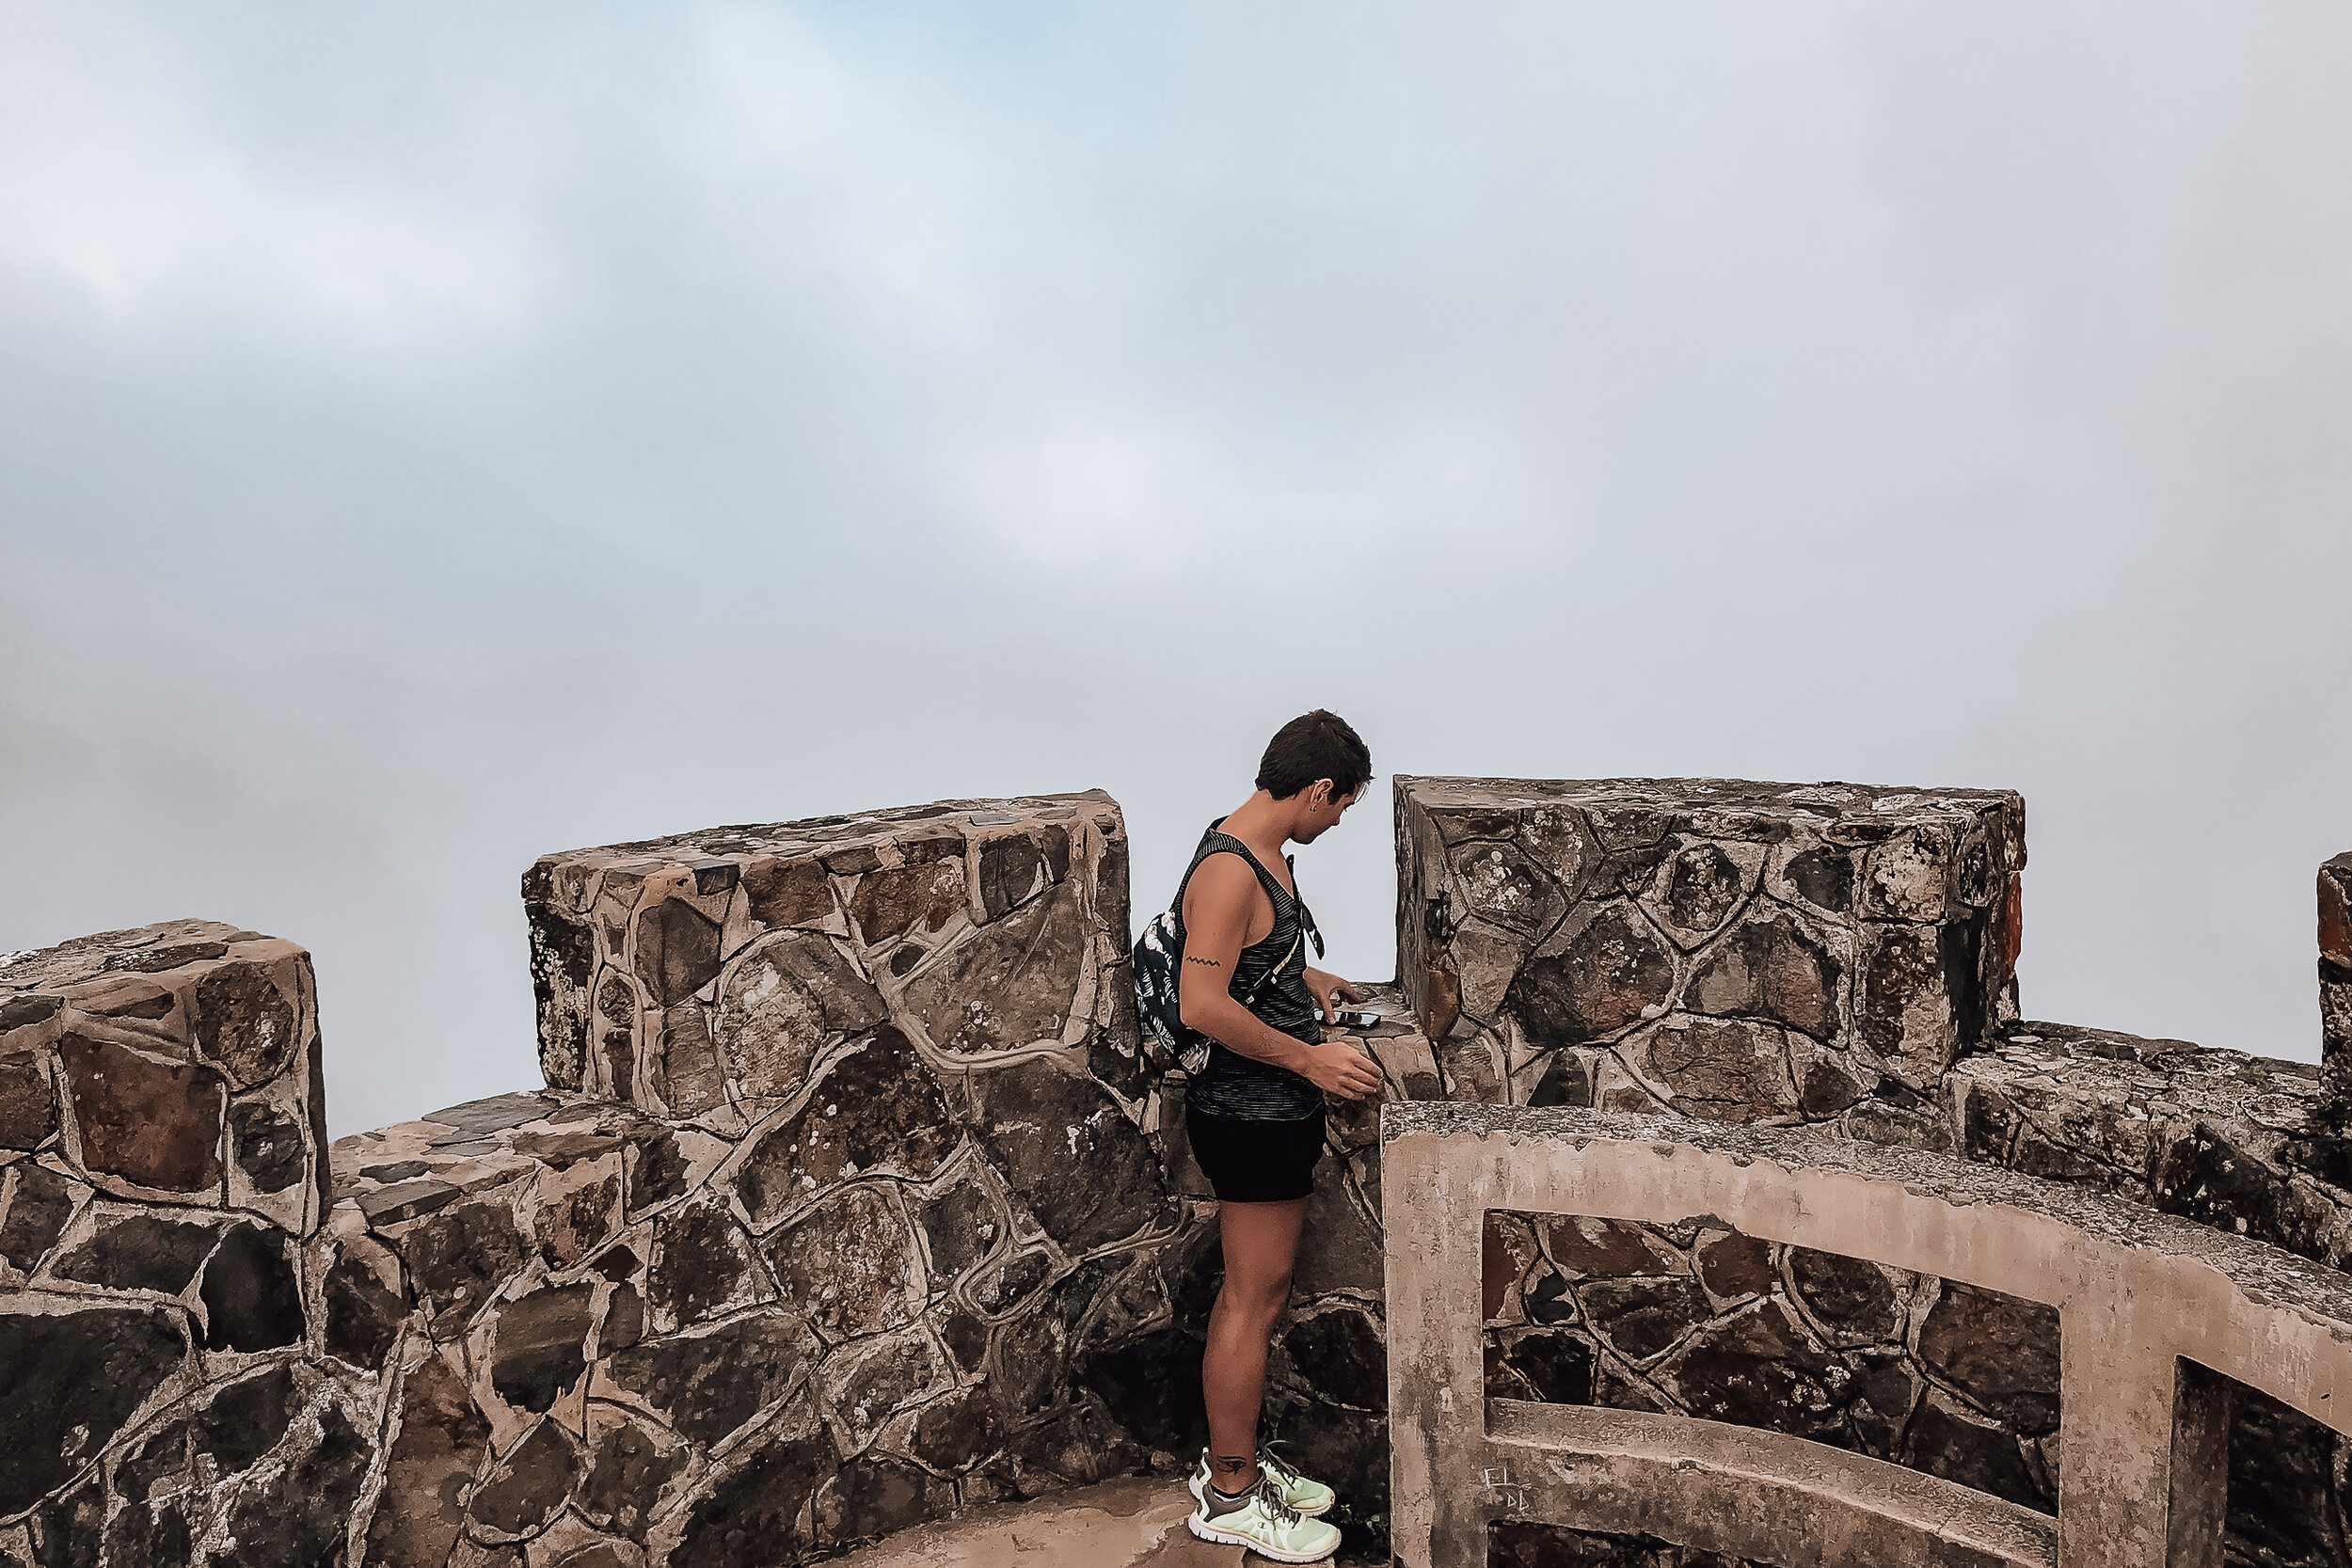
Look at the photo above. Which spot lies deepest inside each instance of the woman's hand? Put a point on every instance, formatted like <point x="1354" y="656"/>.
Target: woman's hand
<point x="1326" y="989"/>
<point x="1338" y="1067"/>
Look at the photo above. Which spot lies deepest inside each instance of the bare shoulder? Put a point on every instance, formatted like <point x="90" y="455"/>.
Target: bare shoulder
<point x="1221" y="883"/>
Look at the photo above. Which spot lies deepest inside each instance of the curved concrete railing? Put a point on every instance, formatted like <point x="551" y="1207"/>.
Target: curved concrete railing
<point x="2143" y="1462"/>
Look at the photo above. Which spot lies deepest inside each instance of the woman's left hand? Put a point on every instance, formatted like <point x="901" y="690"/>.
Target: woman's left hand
<point x="1328" y="989"/>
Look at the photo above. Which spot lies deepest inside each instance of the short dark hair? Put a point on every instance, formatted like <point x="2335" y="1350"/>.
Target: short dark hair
<point x="1317" y="745"/>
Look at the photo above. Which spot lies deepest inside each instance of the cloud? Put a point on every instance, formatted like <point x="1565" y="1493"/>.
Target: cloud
<point x="426" y="442"/>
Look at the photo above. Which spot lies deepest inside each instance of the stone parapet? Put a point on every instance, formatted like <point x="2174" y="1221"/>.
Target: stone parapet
<point x="1720" y="949"/>
<point x="700" y="974"/>
<point x="889" y="1298"/>
<point x="176" y="1064"/>
<point x="2216" y="1136"/>
<point x="162" y="1154"/>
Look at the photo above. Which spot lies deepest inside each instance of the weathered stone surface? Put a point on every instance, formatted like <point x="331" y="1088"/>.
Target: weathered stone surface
<point x="631" y="1466"/>
<point x="750" y="1515"/>
<point x="873" y="1496"/>
<point x="527" y="1485"/>
<point x="1605" y="972"/>
<point x="1339" y="1353"/>
<point x="1043" y="1124"/>
<point x="69" y="1530"/>
<point x="961" y="1227"/>
<point x="458" y="1257"/>
<point x="1905" y="1009"/>
<point x="242" y="1421"/>
<point x="441" y="1441"/>
<point x="1733" y="1329"/>
<point x="139" y="1252"/>
<point x="981" y="917"/>
<point x="848" y="1266"/>
<point x="298" y="1515"/>
<point x="151" y="1122"/>
<point x="539" y="1346"/>
<point x="251" y="1296"/>
<point x="865" y="1382"/>
<point x="573" y="1221"/>
<point x="269" y="1145"/>
<point x="782" y="1000"/>
<point x="788" y="893"/>
<point x="677" y="950"/>
<point x="1714" y="897"/>
<point x="1853" y="1300"/>
<point x="702" y="1266"/>
<point x="1541" y="1366"/>
<point x="1733" y="1266"/>
<point x="1638" y="1318"/>
<point x="28" y="1106"/>
<point x="1530" y="1543"/>
<point x="1721" y="1069"/>
<point x="1010" y="984"/>
<point x="245" y="1024"/>
<point x="1948" y="1438"/>
<point x="66" y="1385"/>
<point x="923" y="893"/>
<point x="877" y="1108"/>
<point x="2000" y="1352"/>
<point x="1771" y="968"/>
<point x="706" y="1385"/>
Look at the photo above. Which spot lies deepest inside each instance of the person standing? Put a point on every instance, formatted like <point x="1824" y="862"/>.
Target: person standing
<point x="1254" y="1112"/>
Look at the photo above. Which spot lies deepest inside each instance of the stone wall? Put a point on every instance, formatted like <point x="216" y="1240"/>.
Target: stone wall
<point x="841" y="1212"/>
<point x="854" y="1111"/>
<point x="163" y="1394"/>
<point x="1720" y="949"/>
<point x="1702" y="1319"/>
<point x="838" y="1212"/>
<point x="701" y="976"/>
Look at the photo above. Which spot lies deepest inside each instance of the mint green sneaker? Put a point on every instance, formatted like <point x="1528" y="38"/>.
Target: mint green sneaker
<point x="1262" y="1522"/>
<point x="1311" y="1498"/>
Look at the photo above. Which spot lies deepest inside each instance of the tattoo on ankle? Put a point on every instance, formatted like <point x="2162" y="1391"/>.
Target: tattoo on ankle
<point x="1237" y="1464"/>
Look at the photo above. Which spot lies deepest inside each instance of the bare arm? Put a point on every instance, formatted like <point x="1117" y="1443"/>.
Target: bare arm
<point x="1218" y="906"/>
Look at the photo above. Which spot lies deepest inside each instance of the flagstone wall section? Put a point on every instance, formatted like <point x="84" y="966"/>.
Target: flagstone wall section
<point x="700" y="975"/>
<point x="161" y="1143"/>
<point x="1709" y="947"/>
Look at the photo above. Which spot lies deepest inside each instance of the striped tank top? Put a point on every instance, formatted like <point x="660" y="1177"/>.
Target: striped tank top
<point x="1242" y="1088"/>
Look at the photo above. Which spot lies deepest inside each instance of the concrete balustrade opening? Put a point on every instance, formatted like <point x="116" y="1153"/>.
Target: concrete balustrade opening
<point x="1728" y="1203"/>
<point x="2142" y="1447"/>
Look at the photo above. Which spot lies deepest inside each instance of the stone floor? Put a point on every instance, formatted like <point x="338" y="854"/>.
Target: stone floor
<point x="1137" y="1522"/>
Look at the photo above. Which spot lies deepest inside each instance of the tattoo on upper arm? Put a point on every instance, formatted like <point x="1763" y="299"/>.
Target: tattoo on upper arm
<point x="1206" y="963"/>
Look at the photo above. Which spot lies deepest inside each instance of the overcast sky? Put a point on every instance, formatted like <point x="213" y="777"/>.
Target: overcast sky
<point x="431" y="437"/>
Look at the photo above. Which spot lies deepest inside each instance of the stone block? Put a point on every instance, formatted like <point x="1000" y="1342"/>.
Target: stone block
<point x="712" y="970"/>
<point x="2335" y="1007"/>
<point x="1729" y="950"/>
<point x="175" y="1064"/>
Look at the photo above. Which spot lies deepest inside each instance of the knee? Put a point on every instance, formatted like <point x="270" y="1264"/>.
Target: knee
<point x="1258" y="1299"/>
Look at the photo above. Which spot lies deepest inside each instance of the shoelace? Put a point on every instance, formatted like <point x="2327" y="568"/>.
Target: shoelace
<point x="1284" y="1470"/>
<point x="1270" y="1498"/>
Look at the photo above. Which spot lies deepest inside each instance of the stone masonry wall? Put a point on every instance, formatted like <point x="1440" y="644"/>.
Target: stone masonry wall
<point x="1716" y="948"/>
<point x="843" y="1213"/>
<point x="700" y="975"/>
<point x="852" y="1201"/>
<point x="1701" y="1320"/>
<point x="1768" y="981"/>
<point x="162" y="1397"/>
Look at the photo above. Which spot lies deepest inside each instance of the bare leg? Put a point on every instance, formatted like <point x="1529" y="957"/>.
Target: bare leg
<point x="1261" y="1242"/>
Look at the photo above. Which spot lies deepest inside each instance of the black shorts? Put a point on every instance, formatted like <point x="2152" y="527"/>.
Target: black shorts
<point x="1256" y="1161"/>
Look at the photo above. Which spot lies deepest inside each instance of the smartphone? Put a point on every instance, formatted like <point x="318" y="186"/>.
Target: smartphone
<point x="1357" y="1019"/>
